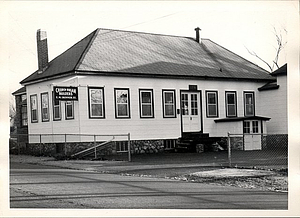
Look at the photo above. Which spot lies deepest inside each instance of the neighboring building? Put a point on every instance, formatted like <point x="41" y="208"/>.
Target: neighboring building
<point x="273" y="97"/>
<point x="155" y="87"/>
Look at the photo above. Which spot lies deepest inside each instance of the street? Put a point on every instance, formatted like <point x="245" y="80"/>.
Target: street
<point x="36" y="186"/>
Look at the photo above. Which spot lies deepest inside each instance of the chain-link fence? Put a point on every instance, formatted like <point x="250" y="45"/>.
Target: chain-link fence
<point x="267" y="151"/>
<point x="69" y="145"/>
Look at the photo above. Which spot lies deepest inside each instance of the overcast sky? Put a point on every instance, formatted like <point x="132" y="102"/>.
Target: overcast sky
<point x="235" y="25"/>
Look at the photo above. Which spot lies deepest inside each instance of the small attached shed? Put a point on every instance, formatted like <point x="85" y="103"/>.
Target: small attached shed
<point x="250" y="129"/>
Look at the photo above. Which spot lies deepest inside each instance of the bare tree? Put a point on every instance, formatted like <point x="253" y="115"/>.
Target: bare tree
<point x="280" y="45"/>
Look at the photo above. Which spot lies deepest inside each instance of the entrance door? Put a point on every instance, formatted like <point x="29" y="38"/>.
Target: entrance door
<point x="252" y="136"/>
<point x="190" y="111"/>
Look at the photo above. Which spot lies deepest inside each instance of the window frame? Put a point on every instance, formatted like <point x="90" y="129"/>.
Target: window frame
<point x="253" y="103"/>
<point x="141" y="103"/>
<point x="164" y="103"/>
<point x="22" y="117"/>
<point x="128" y="116"/>
<point x="31" y="109"/>
<point x="54" y="105"/>
<point x="42" y="108"/>
<point x="90" y="105"/>
<point x="66" y="110"/>
<point x="216" y="104"/>
<point x="226" y="103"/>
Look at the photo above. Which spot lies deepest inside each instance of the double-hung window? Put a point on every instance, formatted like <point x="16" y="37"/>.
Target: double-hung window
<point x="33" y="108"/>
<point x="56" y="109"/>
<point x="146" y="103"/>
<point x="211" y="103"/>
<point x="169" y="104"/>
<point x="249" y="104"/>
<point x="24" y="115"/>
<point x="45" y="106"/>
<point x="122" y="105"/>
<point x="96" y="102"/>
<point x="69" y="110"/>
<point x="231" y="106"/>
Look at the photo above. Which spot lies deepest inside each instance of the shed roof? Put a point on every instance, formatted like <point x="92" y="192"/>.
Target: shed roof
<point x="117" y="52"/>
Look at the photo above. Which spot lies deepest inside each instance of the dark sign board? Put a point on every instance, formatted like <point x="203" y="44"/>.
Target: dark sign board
<point x="65" y="93"/>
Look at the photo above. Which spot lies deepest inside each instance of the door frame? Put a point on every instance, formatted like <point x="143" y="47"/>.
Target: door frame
<point x="200" y="109"/>
<point x="260" y="126"/>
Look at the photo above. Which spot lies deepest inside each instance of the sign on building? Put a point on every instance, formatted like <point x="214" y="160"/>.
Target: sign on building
<point x="64" y="93"/>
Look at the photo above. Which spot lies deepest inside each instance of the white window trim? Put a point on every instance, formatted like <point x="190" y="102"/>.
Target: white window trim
<point x="210" y="104"/>
<point x="151" y="103"/>
<point x="166" y="104"/>
<point x="66" y="109"/>
<point x="235" y="104"/>
<point x="91" y="116"/>
<point x="245" y="103"/>
<point x="127" y="104"/>
<point x="31" y="109"/>
<point x="42" y="108"/>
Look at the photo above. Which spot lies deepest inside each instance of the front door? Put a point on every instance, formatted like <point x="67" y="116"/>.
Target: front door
<point x="252" y="136"/>
<point x="190" y="112"/>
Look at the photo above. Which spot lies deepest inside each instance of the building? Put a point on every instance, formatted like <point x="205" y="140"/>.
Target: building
<point x="156" y="87"/>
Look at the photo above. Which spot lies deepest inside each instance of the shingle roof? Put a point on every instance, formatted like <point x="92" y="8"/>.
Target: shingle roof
<point x="20" y="91"/>
<point x="135" y="53"/>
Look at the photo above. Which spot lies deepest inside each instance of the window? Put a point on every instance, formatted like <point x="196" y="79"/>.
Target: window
<point x="246" y="127"/>
<point x="122" y="109"/>
<point x="69" y="110"/>
<point x="24" y="115"/>
<point x="185" y="104"/>
<point x="211" y="103"/>
<point x="146" y="103"/>
<point x="33" y="108"/>
<point x="194" y="104"/>
<point x="255" y="126"/>
<point x="96" y="102"/>
<point x="249" y="103"/>
<point x="56" y="109"/>
<point x="230" y="104"/>
<point x="169" y="103"/>
<point x="45" y="106"/>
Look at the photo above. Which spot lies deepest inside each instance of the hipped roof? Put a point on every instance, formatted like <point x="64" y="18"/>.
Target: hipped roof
<point x="126" y="53"/>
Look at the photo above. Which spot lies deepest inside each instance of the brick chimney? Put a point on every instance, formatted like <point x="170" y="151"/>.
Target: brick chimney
<point x="42" y="49"/>
<point x="198" y="39"/>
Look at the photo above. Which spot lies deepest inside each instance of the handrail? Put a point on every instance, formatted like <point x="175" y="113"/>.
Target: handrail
<point x="91" y="148"/>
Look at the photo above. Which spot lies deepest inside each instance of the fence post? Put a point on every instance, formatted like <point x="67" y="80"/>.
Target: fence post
<point x="129" y="148"/>
<point x="65" y="145"/>
<point x="95" y="147"/>
<point x="229" y="150"/>
<point x="40" y="144"/>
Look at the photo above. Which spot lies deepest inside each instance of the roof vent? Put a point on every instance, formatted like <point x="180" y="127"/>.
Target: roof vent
<point x="198" y="39"/>
<point x="42" y="49"/>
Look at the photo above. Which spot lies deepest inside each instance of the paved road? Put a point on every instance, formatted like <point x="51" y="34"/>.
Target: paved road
<point x="35" y="186"/>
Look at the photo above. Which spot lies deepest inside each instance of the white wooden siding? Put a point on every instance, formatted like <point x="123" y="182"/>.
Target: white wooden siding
<point x="140" y="128"/>
<point x="273" y="103"/>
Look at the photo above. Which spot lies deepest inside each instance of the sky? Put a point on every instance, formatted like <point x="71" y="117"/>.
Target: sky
<point x="234" y="25"/>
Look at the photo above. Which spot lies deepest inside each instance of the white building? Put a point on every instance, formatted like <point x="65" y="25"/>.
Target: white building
<point x="155" y="87"/>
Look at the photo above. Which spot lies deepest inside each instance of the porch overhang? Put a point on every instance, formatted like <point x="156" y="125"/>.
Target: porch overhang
<point x="235" y="119"/>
